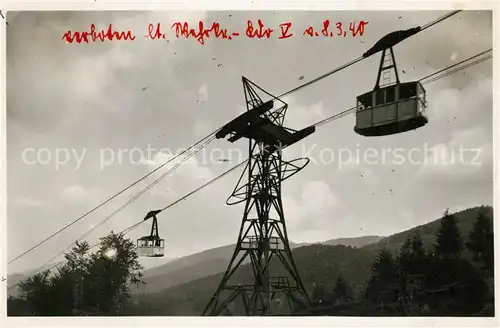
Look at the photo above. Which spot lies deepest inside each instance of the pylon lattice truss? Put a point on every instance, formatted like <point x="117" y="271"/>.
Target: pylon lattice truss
<point x="271" y="285"/>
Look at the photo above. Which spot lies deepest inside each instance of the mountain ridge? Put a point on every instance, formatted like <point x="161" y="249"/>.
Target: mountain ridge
<point x="212" y="262"/>
<point x="318" y="263"/>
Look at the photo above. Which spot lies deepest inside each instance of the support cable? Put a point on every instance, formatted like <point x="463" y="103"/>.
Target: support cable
<point x="428" y="25"/>
<point x="435" y="77"/>
<point x="357" y="60"/>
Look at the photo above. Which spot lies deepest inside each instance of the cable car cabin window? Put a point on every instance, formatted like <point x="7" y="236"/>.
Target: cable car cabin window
<point x="421" y="93"/>
<point x="420" y="90"/>
<point x="407" y="91"/>
<point x="365" y="101"/>
<point x="390" y="94"/>
<point x="360" y="106"/>
<point x="422" y="104"/>
<point x="380" y="97"/>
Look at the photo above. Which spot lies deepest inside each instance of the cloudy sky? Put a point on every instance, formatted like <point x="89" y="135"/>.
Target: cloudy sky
<point x="88" y="103"/>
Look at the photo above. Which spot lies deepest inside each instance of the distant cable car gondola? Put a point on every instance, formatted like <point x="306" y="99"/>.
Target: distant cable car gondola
<point x="152" y="245"/>
<point x="392" y="107"/>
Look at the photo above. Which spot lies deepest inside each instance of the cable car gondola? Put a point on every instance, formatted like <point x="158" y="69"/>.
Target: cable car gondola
<point x="391" y="107"/>
<point x="152" y="245"/>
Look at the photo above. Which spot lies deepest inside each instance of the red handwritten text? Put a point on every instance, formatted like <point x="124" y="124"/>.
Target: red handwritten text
<point x="103" y="35"/>
<point x="259" y="32"/>
<point x="338" y="29"/>
<point x="183" y="29"/>
<point x="155" y="32"/>
<point x="284" y="30"/>
<point x="203" y="31"/>
<point x="360" y="28"/>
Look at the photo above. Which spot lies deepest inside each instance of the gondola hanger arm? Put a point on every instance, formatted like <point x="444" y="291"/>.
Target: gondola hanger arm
<point x="151" y="214"/>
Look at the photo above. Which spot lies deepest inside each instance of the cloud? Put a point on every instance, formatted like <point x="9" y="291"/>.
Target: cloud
<point x="30" y="202"/>
<point x="299" y="116"/>
<point x="79" y="80"/>
<point x="166" y="192"/>
<point x="181" y="165"/>
<point x="460" y="104"/>
<point x="74" y="193"/>
<point x="317" y="195"/>
<point x="473" y="137"/>
<point x="181" y="176"/>
<point x="203" y="93"/>
<point x="202" y="128"/>
<point x="92" y="98"/>
<point x="464" y="154"/>
<point x="315" y="200"/>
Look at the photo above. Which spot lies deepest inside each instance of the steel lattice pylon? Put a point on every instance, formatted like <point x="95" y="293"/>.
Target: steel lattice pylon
<point x="273" y="287"/>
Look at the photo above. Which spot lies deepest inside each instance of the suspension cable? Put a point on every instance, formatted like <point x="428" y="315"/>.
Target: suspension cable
<point x="432" y="23"/>
<point x="440" y="19"/>
<point x="108" y="200"/>
<point x="357" y="60"/>
<point x="322" y="122"/>
<point x="190" y="194"/>
<point x="142" y="192"/>
<point x="317" y="124"/>
<point x="457" y="64"/>
<point x="425" y="80"/>
<point x="338" y="69"/>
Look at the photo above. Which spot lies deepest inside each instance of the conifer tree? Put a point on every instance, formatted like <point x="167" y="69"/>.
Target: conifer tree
<point x="417" y="246"/>
<point x="404" y="268"/>
<point x="319" y="295"/>
<point x="449" y="242"/>
<point x="342" y="292"/>
<point x="481" y="243"/>
<point x="382" y="289"/>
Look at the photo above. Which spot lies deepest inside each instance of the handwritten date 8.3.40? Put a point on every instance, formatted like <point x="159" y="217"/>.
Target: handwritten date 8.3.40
<point x="337" y="29"/>
<point x="203" y="31"/>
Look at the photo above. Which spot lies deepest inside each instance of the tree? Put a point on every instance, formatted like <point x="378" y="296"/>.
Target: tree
<point x="404" y="268"/>
<point x="342" y="292"/>
<point x="112" y="269"/>
<point x="419" y="265"/>
<point x="455" y="287"/>
<point x="417" y="246"/>
<point x="448" y="238"/>
<point x="63" y="288"/>
<point x="481" y="243"/>
<point x="36" y="290"/>
<point x="86" y="284"/>
<point x="405" y="251"/>
<point x="382" y="287"/>
<point x="17" y="307"/>
<point x="412" y="263"/>
<point x="319" y="294"/>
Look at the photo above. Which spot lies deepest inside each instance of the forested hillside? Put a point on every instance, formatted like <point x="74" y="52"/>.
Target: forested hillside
<point x="320" y="267"/>
<point x="442" y="268"/>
